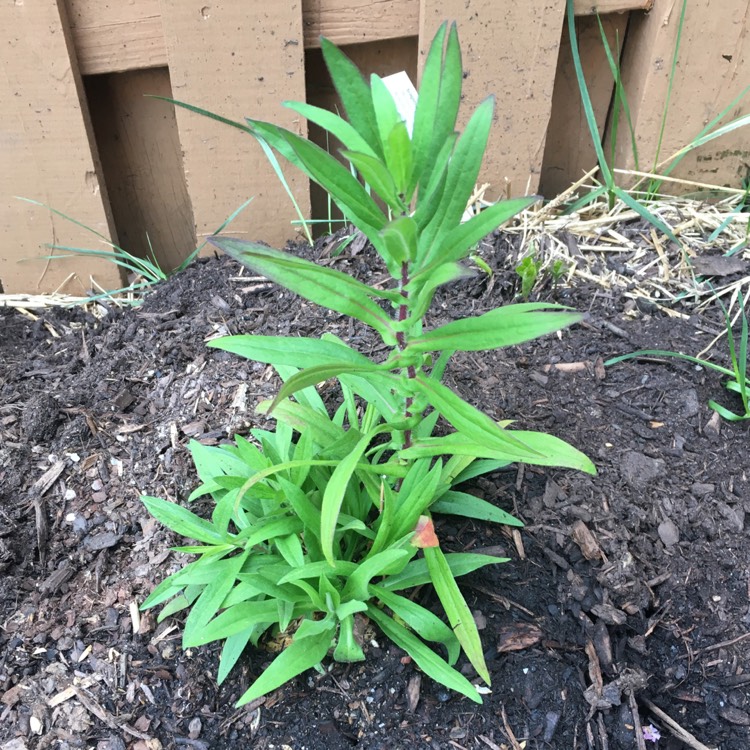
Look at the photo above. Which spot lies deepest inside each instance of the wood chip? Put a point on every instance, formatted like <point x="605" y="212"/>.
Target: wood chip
<point x="586" y="541"/>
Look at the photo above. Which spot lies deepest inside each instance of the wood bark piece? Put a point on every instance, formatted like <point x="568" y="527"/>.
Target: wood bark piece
<point x="713" y="68"/>
<point x="238" y="60"/>
<point x="513" y="55"/>
<point x="47" y="154"/>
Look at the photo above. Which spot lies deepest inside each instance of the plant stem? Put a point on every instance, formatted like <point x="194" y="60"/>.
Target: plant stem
<point x="411" y="372"/>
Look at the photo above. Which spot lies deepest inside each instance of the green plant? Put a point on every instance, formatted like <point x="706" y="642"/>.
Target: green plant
<point x="145" y="271"/>
<point x="736" y="376"/>
<point x="528" y="271"/>
<point x="638" y="196"/>
<point x="320" y="522"/>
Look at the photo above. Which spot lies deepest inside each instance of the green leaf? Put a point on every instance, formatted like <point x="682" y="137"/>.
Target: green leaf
<point x="234" y="620"/>
<point x="302" y="418"/>
<point x="337" y="126"/>
<point x="324" y="286"/>
<point x="341" y="569"/>
<point x="320" y="373"/>
<point x="472" y="423"/>
<point x="347" y="192"/>
<point x="426" y="112"/>
<point x="398" y="154"/>
<point x="354" y="92"/>
<point x="266" y="529"/>
<point x="426" y="659"/>
<point x="462" y="504"/>
<point x="297" y="351"/>
<point x="377" y="176"/>
<point x="376" y="565"/>
<point x="231" y="652"/>
<point x="541" y="450"/>
<point x="417" y="574"/>
<point x="386" y="112"/>
<point x="459" y="241"/>
<point x="459" y="614"/>
<point x="446" y="112"/>
<point x="400" y="238"/>
<point x="335" y="491"/>
<point x="426" y="623"/>
<point x="211" y="599"/>
<point x="463" y="171"/>
<point x="309" y="647"/>
<point x="504" y="326"/>
<point x="182" y="521"/>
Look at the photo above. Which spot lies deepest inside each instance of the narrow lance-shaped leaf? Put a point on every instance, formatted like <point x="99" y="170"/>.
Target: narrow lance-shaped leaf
<point x="542" y="450"/>
<point x="427" y="660"/>
<point x="377" y="176"/>
<point x="426" y="110"/>
<point x="182" y="521"/>
<point x="416" y="572"/>
<point x="504" y="326"/>
<point x="296" y="351"/>
<point x="324" y="286"/>
<point x="337" y="126"/>
<point x="338" y="181"/>
<point x="308" y="648"/>
<point x="459" y="614"/>
<point x="354" y="92"/>
<point x="319" y="373"/>
<point x="463" y="171"/>
<point x="335" y="491"/>
<point x="459" y="241"/>
<point x="449" y="100"/>
<point x="468" y="506"/>
<point x="473" y="423"/>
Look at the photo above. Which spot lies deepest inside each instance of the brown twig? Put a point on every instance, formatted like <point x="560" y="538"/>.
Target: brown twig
<point x="682" y="734"/>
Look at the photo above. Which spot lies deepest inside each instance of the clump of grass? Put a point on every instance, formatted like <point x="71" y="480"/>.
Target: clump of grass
<point x="648" y="186"/>
<point x="144" y="272"/>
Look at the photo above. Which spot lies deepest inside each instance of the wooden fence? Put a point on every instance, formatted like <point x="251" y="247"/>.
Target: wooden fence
<point x="78" y="133"/>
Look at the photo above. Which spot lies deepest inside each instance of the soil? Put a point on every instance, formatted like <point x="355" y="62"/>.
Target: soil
<point x="626" y="602"/>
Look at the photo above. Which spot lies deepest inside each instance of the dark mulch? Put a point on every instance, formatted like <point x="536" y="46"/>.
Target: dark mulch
<point x="626" y="591"/>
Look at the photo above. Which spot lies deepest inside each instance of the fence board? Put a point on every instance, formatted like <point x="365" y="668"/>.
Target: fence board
<point x="354" y="21"/>
<point x="45" y="154"/>
<point x="602" y="7"/>
<point x="142" y="162"/>
<point x="115" y="36"/>
<point x="112" y="37"/>
<point x="569" y="152"/>
<point x="713" y="68"/>
<point x="514" y="58"/>
<point x="236" y="59"/>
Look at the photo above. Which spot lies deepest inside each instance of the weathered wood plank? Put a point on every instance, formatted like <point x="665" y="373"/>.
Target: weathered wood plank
<point x="569" y="152"/>
<point x="713" y="68"/>
<point x="356" y="21"/>
<point x="112" y="37"/>
<point x="142" y="161"/>
<point x="238" y="60"/>
<point x="47" y="154"/>
<point x="515" y="60"/>
<point x="602" y="7"/>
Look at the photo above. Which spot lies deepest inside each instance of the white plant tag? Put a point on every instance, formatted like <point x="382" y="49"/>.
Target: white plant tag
<point x="404" y="95"/>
